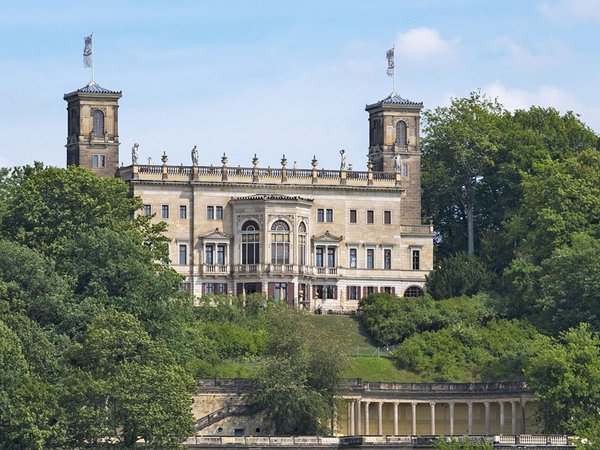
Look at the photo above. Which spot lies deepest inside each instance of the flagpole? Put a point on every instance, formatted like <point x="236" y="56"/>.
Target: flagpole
<point x="394" y="73"/>
<point x="93" y="76"/>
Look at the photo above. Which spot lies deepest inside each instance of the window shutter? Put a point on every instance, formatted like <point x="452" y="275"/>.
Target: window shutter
<point x="290" y="294"/>
<point x="203" y="289"/>
<point x="393" y="291"/>
<point x="271" y="290"/>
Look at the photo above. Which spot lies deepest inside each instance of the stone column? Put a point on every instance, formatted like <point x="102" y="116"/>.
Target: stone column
<point x="513" y="417"/>
<point x="469" y="418"/>
<point x="487" y="418"/>
<point x="523" y="402"/>
<point x="359" y="417"/>
<point x="501" y="417"/>
<point x="451" y="404"/>
<point x="380" y="418"/>
<point x="413" y="406"/>
<point x="432" y="416"/>
<point x="396" y="418"/>
<point x="367" y="417"/>
<point x="351" y="417"/>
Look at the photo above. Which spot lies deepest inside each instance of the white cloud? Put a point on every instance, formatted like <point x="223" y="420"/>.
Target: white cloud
<point x="425" y="46"/>
<point x="580" y="10"/>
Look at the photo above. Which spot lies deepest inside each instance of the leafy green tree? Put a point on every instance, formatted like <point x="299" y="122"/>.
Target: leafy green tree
<point x="300" y="377"/>
<point x="570" y="286"/>
<point x="130" y="384"/>
<point x="458" y="274"/>
<point x="459" y="151"/>
<point x="559" y="199"/>
<point x="29" y="414"/>
<point x="565" y="377"/>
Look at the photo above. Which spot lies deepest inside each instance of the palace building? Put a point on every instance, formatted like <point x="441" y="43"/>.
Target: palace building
<point x="309" y="237"/>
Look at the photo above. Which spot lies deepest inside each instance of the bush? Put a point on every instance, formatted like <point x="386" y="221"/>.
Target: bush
<point x="459" y="274"/>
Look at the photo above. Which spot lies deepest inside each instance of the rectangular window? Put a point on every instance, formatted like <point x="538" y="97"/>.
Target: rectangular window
<point x="219" y="212"/>
<point x="370" y="258"/>
<point x="221" y="254"/>
<point x="387" y="289"/>
<point x="370" y="216"/>
<point x="387" y="217"/>
<point x="318" y="291"/>
<point x="353" y="258"/>
<point x="182" y="254"/>
<point x="147" y="210"/>
<point x="404" y="170"/>
<point x="182" y="212"/>
<point x="352" y="293"/>
<point x="329" y="215"/>
<point x="209" y="288"/>
<point x="387" y="258"/>
<point x="331" y="257"/>
<point x="320" y="215"/>
<point x="209" y="254"/>
<point x="98" y="161"/>
<point x="330" y="291"/>
<point x="210" y="212"/>
<point x="352" y="216"/>
<point x="280" y="292"/>
<point x="370" y="290"/>
<point x="319" y="257"/>
<point x="185" y="286"/>
<point x="165" y="211"/>
<point x="416" y="259"/>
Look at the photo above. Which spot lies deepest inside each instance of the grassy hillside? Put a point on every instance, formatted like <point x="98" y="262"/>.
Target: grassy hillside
<point x="366" y="360"/>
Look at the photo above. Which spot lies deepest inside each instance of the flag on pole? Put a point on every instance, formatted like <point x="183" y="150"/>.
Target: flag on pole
<point x="87" y="51"/>
<point x="390" y="57"/>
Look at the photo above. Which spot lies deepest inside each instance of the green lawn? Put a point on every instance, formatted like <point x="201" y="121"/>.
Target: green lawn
<point x="366" y="360"/>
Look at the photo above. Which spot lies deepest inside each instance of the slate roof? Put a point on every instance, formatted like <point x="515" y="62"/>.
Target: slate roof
<point x="94" y="88"/>
<point x="395" y="99"/>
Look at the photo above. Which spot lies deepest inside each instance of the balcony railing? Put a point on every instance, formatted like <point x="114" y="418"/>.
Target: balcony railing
<point x="215" y="268"/>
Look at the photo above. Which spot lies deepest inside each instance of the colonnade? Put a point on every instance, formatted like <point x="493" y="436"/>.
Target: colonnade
<point x="359" y="420"/>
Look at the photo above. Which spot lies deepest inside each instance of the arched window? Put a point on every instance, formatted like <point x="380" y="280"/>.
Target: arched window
<point x="280" y="242"/>
<point x="250" y="243"/>
<point x="98" y="124"/>
<point x="401" y="133"/>
<point x="414" y="291"/>
<point x="302" y="244"/>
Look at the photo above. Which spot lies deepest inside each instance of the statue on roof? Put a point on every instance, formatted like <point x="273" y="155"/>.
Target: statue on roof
<point x="194" y="156"/>
<point x="343" y="159"/>
<point x="134" y="154"/>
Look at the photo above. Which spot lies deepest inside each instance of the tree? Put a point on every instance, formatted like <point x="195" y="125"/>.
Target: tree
<point x="565" y="377"/>
<point x="297" y="384"/>
<point x="459" y="151"/>
<point x="129" y="384"/>
<point x="458" y="274"/>
<point x="559" y="199"/>
<point x="570" y="286"/>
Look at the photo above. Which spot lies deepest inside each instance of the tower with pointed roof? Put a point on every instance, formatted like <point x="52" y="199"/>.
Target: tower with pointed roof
<point x="92" y="129"/>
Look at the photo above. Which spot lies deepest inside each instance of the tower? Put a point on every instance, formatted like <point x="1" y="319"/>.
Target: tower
<point x="92" y="130"/>
<point x="394" y="130"/>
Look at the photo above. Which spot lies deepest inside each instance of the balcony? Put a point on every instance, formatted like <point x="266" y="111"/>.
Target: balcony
<point x="326" y="271"/>
<point x="216" y="269"/>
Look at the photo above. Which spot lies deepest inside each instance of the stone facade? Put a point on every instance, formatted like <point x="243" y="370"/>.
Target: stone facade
<point x="392" y="409"/>
<point x="92" y="129"/>
<point x="313" y="238"/>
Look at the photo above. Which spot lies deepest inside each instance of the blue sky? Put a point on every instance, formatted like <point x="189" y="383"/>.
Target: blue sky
<point x="275" y="77"/>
